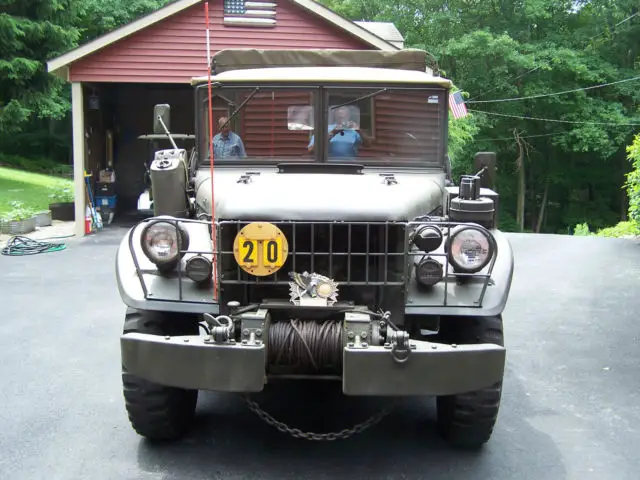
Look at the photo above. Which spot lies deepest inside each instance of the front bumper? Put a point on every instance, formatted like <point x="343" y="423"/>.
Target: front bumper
<point x="430" y="369"/>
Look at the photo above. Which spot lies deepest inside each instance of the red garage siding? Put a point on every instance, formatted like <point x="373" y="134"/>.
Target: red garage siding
<point x="174" y="50"/>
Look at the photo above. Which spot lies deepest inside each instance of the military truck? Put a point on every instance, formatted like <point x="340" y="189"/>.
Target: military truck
<point x="316" y="232"/>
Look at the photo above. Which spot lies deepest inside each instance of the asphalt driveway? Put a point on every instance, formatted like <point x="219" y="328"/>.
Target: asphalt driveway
<point x="571" y="403"/>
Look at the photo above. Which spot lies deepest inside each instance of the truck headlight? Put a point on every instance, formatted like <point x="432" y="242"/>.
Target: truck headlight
<point x="161" y="244"/>
<point x="470" y="249"/>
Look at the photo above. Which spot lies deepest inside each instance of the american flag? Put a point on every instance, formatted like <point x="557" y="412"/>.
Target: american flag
<point x="457" y="106"/>
<point x="249" y="12"/>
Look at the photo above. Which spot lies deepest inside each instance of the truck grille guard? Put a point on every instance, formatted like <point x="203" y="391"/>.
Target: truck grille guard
<point x="394" y="263"/>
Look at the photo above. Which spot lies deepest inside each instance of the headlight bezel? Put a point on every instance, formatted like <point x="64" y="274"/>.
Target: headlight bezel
<point x="490" y="248"/>
<point x="177" y="233"/>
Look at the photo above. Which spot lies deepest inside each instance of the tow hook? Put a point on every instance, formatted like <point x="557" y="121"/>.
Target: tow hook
<point x="220" y="332"/>
<point x="399" y="342"/>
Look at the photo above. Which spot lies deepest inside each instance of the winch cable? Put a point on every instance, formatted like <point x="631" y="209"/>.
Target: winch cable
<point x="18" y="246"/>
<point x="309" y="345"/>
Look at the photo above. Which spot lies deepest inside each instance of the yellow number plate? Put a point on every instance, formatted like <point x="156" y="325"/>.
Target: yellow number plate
<point x="273" y="253"/>
<point x="247" y="252"/>
<point x="261" y="249"/>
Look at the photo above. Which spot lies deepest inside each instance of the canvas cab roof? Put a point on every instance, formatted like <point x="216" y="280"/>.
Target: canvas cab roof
<point x="358" y="66"/>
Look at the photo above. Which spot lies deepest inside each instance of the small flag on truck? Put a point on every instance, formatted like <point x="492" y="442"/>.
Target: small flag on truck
<point x="457" y="106"/>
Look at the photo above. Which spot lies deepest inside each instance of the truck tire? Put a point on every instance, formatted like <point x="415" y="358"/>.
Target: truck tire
<point x="155" y="411"/>
<point x="467" y="420"/>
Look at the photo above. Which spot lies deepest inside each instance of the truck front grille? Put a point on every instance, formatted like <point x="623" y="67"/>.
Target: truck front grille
<point x="368" y="260"/>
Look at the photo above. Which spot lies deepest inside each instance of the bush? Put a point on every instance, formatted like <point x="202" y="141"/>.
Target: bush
<point x="622" y="229"/>
<point x="19" y="212"/>
<point x="633" y="180"/>
<point x="581" y="230"/>
<point x="36" y="165"/>
<point x="61" y="194"/>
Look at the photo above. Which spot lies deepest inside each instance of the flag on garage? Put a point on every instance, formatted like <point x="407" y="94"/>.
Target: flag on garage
<point x="457" y="106"/>
<point x="248" y="12"/>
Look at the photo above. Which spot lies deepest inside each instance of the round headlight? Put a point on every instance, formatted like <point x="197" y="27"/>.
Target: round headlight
<point x="470" y="249"/>
<point x="161" y="245"/>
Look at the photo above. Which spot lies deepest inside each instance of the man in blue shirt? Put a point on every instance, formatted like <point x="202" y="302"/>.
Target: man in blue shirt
<point x="227" y="144"/>
<point x="345" y="137"/>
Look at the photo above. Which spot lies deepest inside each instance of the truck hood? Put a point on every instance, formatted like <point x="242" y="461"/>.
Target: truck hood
<point x="319" y="196"/>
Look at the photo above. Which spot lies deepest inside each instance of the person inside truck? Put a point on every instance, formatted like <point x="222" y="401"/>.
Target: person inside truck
<point x="227" y="144"/>
<point x="345" y="136"/>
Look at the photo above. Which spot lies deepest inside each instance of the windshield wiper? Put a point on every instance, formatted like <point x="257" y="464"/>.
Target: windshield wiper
<point x="364" y="97"/>
<point x="237" y="110"/>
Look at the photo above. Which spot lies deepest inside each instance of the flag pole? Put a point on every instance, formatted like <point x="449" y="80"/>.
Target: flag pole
<point x="213" y="217"/>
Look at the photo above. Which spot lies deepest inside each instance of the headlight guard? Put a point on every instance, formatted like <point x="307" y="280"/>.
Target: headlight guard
<point x="470" y="248"/>
<point x="164" y="241"/>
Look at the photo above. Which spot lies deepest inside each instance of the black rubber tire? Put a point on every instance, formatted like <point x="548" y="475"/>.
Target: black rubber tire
<point x="467" y="420"/>
<point x="158" y="412"/>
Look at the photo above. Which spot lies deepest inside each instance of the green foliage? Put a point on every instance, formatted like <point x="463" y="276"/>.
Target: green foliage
<point x="37" y="165"/>
<point x="32" y="32"/>
<point x="19" y="212"/>
<point x="633" y="180"/>
<point x="501" y="50"/>
<point x="581" y="230"/>
<point x="622" y="229"/>
<point x="62" y="194"/>
<point x="31" y="189"/>
<point x="461" y="141"/>
<point x="98" y="17"/>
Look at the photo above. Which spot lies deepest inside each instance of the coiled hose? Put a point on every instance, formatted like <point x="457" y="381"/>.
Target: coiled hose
<point x="19" y="246"/>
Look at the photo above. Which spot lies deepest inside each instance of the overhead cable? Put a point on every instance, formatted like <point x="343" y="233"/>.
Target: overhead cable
<point x="554" y="93"/>
<point x="556" y="121"/>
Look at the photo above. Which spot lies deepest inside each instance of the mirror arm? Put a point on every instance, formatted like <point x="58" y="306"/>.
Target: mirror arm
<point x="167" y="132"/>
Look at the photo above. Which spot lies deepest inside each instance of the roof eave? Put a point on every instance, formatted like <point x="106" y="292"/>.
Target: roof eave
<point x="64" y="60"/>
<point x="109" y="38"/>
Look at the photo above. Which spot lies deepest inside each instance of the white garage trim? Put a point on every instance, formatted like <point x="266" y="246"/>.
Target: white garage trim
<point x="77" y="118"/>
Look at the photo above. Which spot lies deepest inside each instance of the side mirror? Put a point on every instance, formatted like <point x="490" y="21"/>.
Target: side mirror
<point x="488" y="160"/>
<point x="164" y="112"/>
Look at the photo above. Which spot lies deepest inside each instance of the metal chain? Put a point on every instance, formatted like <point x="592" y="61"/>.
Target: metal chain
<point x="297" y="433"/>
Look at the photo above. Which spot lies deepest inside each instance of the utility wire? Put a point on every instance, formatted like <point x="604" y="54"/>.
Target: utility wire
<point x="494" y="89"/>
<point x="528" y="136"/>
<point x="554" y="93"/>
<point x="556" y="121"/>
<point x="536" y="68"/>
<point x="619" y="23"/>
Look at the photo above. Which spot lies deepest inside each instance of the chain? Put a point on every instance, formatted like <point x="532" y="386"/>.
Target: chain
<point x="297" y="433"/>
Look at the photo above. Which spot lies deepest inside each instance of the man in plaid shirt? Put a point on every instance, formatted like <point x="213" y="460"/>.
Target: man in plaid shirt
<point x="227" y="144"/>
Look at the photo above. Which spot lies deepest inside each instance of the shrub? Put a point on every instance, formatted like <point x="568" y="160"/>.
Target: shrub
<point x="19" y="212"/>
<point x="581" y="230"/>
<point x="36" y="165"/>
<point x="61" y="194"/>
<point x="633" y="180"/>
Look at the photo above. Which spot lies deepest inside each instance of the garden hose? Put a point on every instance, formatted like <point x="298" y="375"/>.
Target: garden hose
<point x="19" y="246"/>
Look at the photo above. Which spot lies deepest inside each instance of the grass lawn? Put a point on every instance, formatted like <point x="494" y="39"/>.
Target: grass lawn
<point x="32" y="189"/>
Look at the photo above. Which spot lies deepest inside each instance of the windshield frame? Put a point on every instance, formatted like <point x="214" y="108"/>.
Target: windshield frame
<point x="321" y="118"/>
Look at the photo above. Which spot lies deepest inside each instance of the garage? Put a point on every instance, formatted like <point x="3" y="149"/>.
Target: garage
<point x="118" y="78"/>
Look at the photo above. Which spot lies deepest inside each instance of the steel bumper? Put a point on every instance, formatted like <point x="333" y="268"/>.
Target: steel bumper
<point x="189" y="362"/>
<point x="430" y="369"/>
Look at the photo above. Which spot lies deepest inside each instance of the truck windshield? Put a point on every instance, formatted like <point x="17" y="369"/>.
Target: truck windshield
<point x="363" y="125"/>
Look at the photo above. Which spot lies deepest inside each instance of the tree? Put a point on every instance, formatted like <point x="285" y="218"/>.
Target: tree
<point x="31" y="32"/>
<point x="573" y="160"/>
